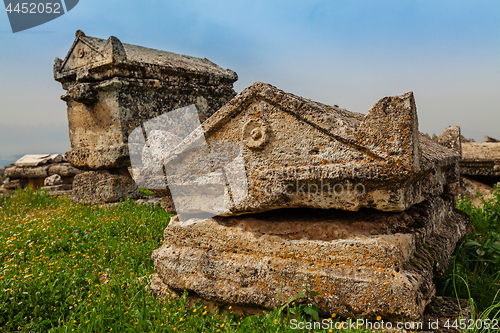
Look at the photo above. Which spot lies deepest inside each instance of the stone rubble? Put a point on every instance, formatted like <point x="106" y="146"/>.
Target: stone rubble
<point x="473" y="189"/>
<point x="35" y="170"/>
<point x="53" y="180"/>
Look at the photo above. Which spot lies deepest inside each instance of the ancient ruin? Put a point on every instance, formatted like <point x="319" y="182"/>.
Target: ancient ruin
<point x="257" y="187"/>
<point x="49" y="172"/>
<point x="273" y="191"/>
<point x="112" y="88"/>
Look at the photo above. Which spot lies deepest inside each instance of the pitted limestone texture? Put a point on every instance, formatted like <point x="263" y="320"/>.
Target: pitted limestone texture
<point x="99" y="186"/>
<point x="275" y="190"/>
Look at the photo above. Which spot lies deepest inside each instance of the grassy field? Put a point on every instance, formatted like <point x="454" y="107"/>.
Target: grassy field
<point x="474" y="270"/>
<point x="73" y="268"/>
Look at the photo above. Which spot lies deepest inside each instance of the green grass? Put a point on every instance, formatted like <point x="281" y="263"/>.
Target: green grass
<point x="66" y="267"/>
<point x="72" y="268"/>
<point x="145" y="191"/>
<point x="474" y="270"/>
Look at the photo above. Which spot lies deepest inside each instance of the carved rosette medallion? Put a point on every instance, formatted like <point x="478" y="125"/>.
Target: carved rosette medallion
<point x="255" y="134"/>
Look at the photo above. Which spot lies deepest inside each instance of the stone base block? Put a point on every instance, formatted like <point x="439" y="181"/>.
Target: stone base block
<point x="104" y="186"/>
<point x="99" y="157"/>
<point x="363" y="264"/>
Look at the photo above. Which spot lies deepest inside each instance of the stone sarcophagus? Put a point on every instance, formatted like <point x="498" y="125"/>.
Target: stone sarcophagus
<point x="113" y="87"/>
<point x="47" y="171"/>
<point x="274" y="191"/>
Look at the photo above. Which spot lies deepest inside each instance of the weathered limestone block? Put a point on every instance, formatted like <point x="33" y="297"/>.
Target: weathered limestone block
<point x="451" y="138"/>
<point x="16" y="172"/>
<point x="267" y="149"/>
<point x="53" y="180"/>
<point x="113" y="88"/>
<point x="363" y="264"/>
<point x="63" y="170"/>
<point x="481" y="159"/>
<point x="104" y="186"/>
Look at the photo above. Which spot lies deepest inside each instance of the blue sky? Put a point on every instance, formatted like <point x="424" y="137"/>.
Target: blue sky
<point x="350" y="53"/>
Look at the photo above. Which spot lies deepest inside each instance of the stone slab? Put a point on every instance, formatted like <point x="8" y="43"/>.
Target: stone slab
<point x="33" y="160"/>
<point x="60" y="193"/>
<point x="104" y="186"/>
<point x="58" y="187"/>
<point x="16" y="172"/>
<point x="363" y="264"/>
<point x="480" y="159"/>
<point x="63" y="170"/>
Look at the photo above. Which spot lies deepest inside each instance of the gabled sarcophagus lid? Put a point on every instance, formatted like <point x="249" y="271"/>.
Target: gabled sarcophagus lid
<point x="93" y="59"/>
<point x="267" y="149"/>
